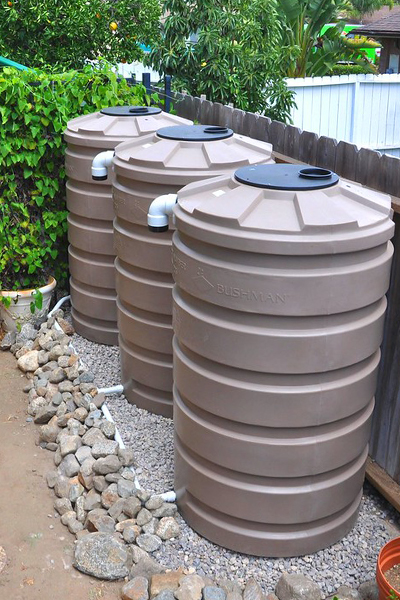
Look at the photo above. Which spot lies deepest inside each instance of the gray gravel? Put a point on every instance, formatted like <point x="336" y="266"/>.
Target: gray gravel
<point x="349" y="562"/>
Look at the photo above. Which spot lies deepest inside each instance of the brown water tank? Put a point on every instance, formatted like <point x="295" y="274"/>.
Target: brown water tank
<point x="279" y="306"/>
<point x="144" y="169"/>
<point x="91" y="250"/>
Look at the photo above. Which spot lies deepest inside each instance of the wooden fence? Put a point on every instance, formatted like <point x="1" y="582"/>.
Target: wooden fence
<point x="364" y="166"/>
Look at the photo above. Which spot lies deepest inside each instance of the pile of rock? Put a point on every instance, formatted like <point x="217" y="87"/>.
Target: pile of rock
<point x="117" y="525"/>
<point x="93" y="479"/>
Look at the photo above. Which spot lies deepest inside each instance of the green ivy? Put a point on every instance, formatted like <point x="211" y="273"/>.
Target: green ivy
<point x="34" y="111"/>
<point x="349" y="70"/>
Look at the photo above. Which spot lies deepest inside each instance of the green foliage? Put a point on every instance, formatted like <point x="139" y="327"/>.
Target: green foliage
<point x="348" y="70"/>
<point x="34" y="111"/>
<point x="362" y="7"/>
<point x="305" y="53"/>
<point x="226" y="50"/>
<point x="65" y="33"/>
<point x="393" y="595"/>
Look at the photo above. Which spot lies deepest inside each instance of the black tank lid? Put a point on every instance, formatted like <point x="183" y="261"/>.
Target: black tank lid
<point x="195" y="133"/>
<point x="287" y="177"/>
<point x="130" y="111"/>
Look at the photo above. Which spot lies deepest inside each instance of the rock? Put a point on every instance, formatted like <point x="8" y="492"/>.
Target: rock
<point x="69" y="466"/>
<point x="68" y="516"/>
<point x="62" y="486"/>
<point x="62" y="505"/>
<point x="86" y="475"/>
<point x="136" y="589"/>
<point x="99" y="522"/>
<point x="86" y="377"/>
<point x="51" y="478"/>
<point x="270" y="596"/>
<point x="80" y="414"/>
<point x="165" y="581"/>
<point x="88" y="388"/>
<point x="57" y="376"/>
<point x="83" y="453"/>
<point x="28" y="386"/>
<point x="43" y="357"/>
<point x="229" y="586"/>
<point x="148" y="542"/>
<point x="295" y="586"/>
<point x="238" y="596"/>
<point x="45" y="413"/>
<point x="57" y="399"/>
<point x="211" y="592"/>
<point x="126" y="488"/>
<point x="75" y="489"/>
<point x="55" y="352"/>
<point x="190" y="588"/>
<point x="369" y="590"/>
<point x="344" y="592"/>
<point x="252" y="591"/>
<point x="65" y="326"/>
<point x="63" y="362"/>
<point x="92" y="500"/>
<point x="109" y="496"/>
<point x="132" y="506"/>
<point x="150" y="527"/>
<point x="92" y="436"/>
<point x="65" y="386"/>
<point x="143" y="517"/>
<point x="94" y="419"/>
<point x="102" y="555"/>
<point x="8" y="340"/>
<point x="57" y="457"/>
<point x="112" y="477"/>
<point x="27" y="332"/>
<point x="145" y="566"/>
<point x="99" y="400"/>
<point x="29" y="361"/>
<point x="80" y="509"/>
<point x="51" y="446"/>
<point x="108" y="429"/>
<point x="49" y="432"/>
<point x="130" y="533"/>
<point x="128" y="474"/>
<point x="70" y="444"/>
<point x="75" y="427"/>
<point x="168" y="509"/>
<point x="117" y="509"/>
<point x="99" y="482"/>
<point x="109" y="464"/>
<point x="126" y="456"/>
<point x="105" y="448"/>
<point x="74" y="525"/>
<point x="167" y="528"/>
<point x="154" y="503"/>
<point x="165" y="595"/>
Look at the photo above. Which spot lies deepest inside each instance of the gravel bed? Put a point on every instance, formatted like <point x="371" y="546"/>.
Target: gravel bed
<point x="350" y="561"/>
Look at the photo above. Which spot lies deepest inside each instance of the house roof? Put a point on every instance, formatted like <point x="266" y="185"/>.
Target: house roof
<point x="388" y="26"/>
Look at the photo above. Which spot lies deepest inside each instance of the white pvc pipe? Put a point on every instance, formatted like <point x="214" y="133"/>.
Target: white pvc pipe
<point x="116" y="389"/>
<point x="100" y="164"/>
<point x="57" y="306"/>
<point x="159" y="211"/>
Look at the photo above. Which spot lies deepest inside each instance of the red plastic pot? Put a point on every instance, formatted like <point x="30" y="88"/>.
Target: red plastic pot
<point x="388" y="557"/>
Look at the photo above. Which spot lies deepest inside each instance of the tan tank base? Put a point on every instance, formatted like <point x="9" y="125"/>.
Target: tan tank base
<point x="267" y="540"/>
<point x="150" y="389"/>
<point x="95" y="330"/>
<point x="155" y="401"/>
<point x="97" y="305"/>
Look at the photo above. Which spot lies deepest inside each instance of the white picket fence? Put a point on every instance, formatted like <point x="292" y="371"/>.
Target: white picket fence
<point x="362" y="109"/>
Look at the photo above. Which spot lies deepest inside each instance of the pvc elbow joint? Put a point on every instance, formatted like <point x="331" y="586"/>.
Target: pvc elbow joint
<point x="100" y="165"/>
<point x="159" y="211"/>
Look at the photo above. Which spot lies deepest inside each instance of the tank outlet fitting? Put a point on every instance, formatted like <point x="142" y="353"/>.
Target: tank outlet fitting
<point x="159" y="211"/>
<point x="100" y="165"/>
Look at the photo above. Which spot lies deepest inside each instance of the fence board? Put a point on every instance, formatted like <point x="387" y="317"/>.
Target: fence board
<point x="237" y="120"/>
<point x="346" y="160"/>
<point x="368" y="170"/>
<point x="277" y="136"/>
<point x="308" y="147"/>
<point x="291" y="142"/>
<point x="326" y="153"/>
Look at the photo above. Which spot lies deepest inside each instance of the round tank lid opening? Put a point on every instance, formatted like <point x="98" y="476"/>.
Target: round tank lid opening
<point x="195" y="133"/>
<point x="286" y="177"/>
<point x="130" y="111"/>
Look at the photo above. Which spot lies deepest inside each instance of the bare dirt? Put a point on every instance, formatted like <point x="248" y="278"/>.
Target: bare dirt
<point x="35" y="548"/>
